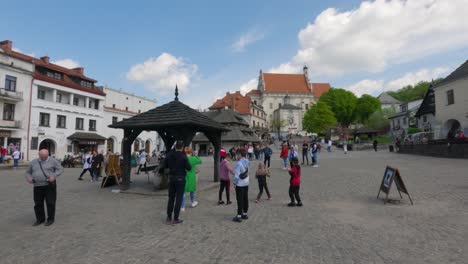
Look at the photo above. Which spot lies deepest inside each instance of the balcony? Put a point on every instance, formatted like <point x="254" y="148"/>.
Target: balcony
<point x="13" y="124"/>
<point x="10" y="95"/>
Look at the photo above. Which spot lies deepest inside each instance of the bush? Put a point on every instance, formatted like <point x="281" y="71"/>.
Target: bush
<point x="413" y="130"/>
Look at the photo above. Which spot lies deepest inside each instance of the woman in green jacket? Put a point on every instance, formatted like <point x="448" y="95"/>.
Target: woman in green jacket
<point x="191" y="178"/>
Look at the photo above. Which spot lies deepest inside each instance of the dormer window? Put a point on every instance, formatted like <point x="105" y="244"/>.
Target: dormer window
<point x="86" y="84"/>
<point x="54" y="75"/>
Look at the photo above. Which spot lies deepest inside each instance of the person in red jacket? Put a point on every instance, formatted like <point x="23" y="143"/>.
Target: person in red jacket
<point x="284" y="155"/>
<point x="295" y="182"/>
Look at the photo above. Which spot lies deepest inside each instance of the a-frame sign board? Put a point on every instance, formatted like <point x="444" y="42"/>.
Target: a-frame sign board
<point x="113" y="172"/>
<point x="393" y="175"/>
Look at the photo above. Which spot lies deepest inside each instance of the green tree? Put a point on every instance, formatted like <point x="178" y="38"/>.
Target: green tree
<point x="276" y="125"/>
<point x="412" y="92"/>
<point x="379" y="119"/>
<point x="318" y="118"/>
<point x="366" y="105"/>
<point x="342" y="103"/>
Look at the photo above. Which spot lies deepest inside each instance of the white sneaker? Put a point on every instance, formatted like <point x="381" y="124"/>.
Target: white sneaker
<point x="194" y="204"/>
<point x="182" y="209"/>
<point x="315" y="166"/>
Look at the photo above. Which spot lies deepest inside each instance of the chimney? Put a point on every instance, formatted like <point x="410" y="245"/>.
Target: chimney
<point x="79" y="70"/>
<point x="306" y="73"/>
<point x="6" y="45"/>
<point x="227" y="93"/>
<point x="45" y="59"/>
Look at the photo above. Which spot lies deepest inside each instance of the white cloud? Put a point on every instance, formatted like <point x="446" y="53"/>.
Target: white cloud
<point x="375" y="87"/>
<point x="161" y="74"/>
<point x="379" y="34"/>
<point x="247" y="39"/>
<point x="248" y="86"/>
<point x="67" y="63"/>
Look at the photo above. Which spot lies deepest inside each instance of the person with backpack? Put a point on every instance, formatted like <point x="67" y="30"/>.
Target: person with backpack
<point x="241" y="183"/>
<point x="314" y="147"/>
<point x="267" y="152"/>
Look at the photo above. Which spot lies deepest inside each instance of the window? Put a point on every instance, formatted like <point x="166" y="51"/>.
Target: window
<point x="59" y="98"/>
<point x="92" y="125"/>
<point x="271" y="105"/>
<point x="113" y="105"/>
<point x="90" y="103"/>
<point x="424" y="119"/>
<point x="41" y="94"/>
<point x="404" y="121"/>
<point x="79" y="123"/>
<point x="8" y="112"/>
<point x="307" y="106"/>
<point x="10" y="83"/>
<point x="115" y="119"/>
<point x="139" y="101"/>
<point x="54" y="75"/>
<point x="34" y="143"/>
<point x="450" y="97"/>
<point x="279" y="105"/>
<point x="96" y="104"/>
<point x="86" y="84"/>
<point x="44" y="119"/>
<point x="76" y="100"/>
<point x="61" y="121"/>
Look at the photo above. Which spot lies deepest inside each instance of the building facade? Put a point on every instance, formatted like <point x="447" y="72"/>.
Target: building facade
<point x="387" y="101"/>
<point x="405" y="118"/>
<point x="15" y="87"/>
<point x="451" y="101"/>
<point x="250" y="110"/>
<point x="120" y="105"/>
<point x="273" y="88"/>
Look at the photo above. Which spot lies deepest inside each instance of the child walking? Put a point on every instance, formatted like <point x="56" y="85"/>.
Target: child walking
<point x="294" y="183"/>
<point x="261" y="175"/>
<point x="224" y="181"/>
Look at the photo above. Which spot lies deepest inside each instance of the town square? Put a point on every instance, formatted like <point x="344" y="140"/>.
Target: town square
<point x="244" y="132"/>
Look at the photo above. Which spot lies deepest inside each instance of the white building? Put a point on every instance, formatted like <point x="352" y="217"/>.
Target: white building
<point x="15" y="86"/>
<point x="387" y="101"/>
<point x="451" y="102"/>
<point x="120" y="105"/>
<point x="273" y="88"/>
<point x="405" y="118"/>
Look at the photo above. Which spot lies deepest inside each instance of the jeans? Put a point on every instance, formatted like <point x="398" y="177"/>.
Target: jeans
<point x="224" y="185"/>
<point x="306" y="156"/>
<point x="15" y="163"/>
<point x="329" y="148"/>
<point x="84" y="171"/>
<point x="175" y="192"/>
<point x="262" y="183"/>
<point x="1" y="159"/>
<point x="49" y="195"/>
<point x="267" y="160"/>
<point x="242" y="197"/>
<point x="192" y="199"/>
<point x="139" y="168"/>
<point x="285" y="161"/>
<point x="315" y="158"/>
<point x="294" y="193"/>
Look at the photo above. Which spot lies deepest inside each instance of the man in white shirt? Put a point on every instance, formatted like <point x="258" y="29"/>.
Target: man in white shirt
<point x="142" y="162"/>
<point x="16" y="157"/>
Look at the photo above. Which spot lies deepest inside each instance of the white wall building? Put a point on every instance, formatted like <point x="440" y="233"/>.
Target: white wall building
<point x="451" y="102"/>
<point x="15" y="87"/>
<point x="120" y="105"/>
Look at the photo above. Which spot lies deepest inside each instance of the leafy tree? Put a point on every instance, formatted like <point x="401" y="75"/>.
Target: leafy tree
<point x="379" y="119"/>
<point x="318" y="118"/>
<point x="413" y="130"/>
<point x="412" y="92"/>
<point x="366" y="105"/>
<point x="342" y="103"/>
<point x="277" y="124"/>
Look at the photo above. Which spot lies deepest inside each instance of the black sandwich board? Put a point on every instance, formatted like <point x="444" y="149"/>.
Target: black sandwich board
<point x="392" y="175"/>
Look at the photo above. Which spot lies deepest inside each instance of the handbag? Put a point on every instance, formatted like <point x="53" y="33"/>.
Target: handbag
<point x="244" y="174"/>
<point x="268" y="172"/>
<point x="47" y="178"/>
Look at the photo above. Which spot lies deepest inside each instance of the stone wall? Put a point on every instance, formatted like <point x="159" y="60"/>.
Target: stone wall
<point x="439" y="149"/>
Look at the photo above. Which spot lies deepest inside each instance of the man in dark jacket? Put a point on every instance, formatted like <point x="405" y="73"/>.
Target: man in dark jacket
<point x="178" y="165"/>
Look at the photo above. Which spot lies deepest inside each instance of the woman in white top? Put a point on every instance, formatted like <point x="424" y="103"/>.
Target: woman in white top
<point x="250" y="151"/>
<point x="87" y="161"/>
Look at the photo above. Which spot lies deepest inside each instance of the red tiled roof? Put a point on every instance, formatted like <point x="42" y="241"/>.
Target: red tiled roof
<point x="120" y="110"/>
<point x="235" y="101"/>
<point x="6" y="46"/>
<point x="320" y="88"/>
<point x="253" y="92"/>
<point x="285" y="83"/>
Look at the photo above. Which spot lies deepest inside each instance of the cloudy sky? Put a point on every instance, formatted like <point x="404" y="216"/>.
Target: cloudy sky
<point x="211" y="47"/>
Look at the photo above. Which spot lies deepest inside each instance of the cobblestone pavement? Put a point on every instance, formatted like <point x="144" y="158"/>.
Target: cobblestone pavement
<point x="341" y="221"/>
